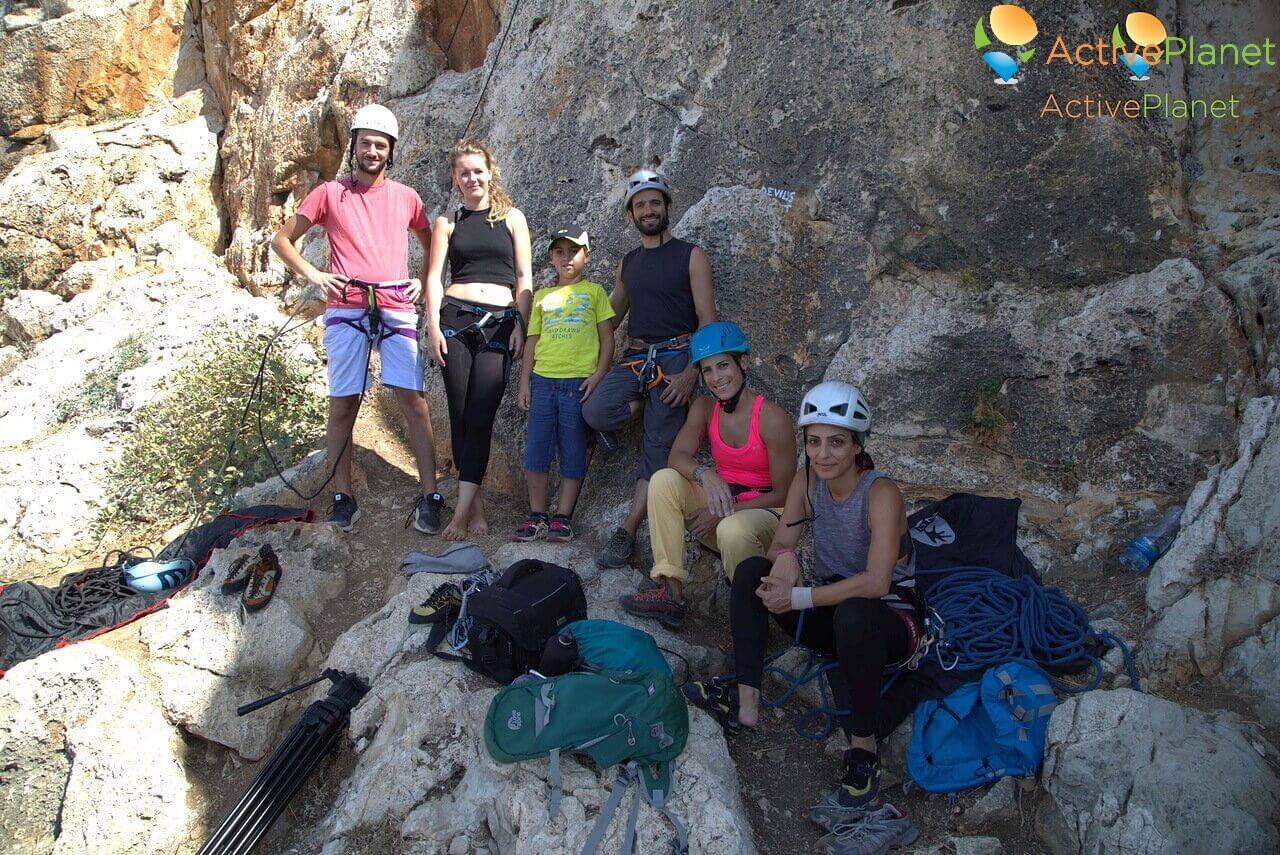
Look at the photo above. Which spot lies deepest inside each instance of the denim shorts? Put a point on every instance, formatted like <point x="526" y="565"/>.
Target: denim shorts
<point x="555" y="427"/>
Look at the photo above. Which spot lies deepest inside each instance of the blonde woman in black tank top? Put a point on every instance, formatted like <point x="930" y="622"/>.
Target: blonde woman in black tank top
<point x="486" y="244"/>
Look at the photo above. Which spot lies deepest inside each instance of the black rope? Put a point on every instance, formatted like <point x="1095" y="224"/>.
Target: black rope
<point x="456" y="24"/>
<point x="506" y="31"/>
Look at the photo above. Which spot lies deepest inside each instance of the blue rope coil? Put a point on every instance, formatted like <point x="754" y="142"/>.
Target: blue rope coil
<point x="986" y="619"/>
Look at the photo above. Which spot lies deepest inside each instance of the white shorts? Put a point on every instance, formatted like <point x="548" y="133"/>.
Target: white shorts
<point x="347" y="349"/>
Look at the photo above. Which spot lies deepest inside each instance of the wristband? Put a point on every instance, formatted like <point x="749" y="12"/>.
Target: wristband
<point x="801" y="599"/>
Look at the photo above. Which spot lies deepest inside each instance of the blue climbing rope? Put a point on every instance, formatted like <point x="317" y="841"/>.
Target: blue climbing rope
<point x="989" y="618"/>
<point x="979" y="618"/>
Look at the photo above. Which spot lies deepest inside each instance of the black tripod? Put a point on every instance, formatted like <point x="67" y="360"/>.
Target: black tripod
<point x="305" y="745"/>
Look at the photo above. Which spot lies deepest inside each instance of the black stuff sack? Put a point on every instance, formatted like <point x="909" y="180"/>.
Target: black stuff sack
<point x="504" y="626"/>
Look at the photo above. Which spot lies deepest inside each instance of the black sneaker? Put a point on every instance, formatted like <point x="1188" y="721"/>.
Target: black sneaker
<point x="658" y="604"/>
<point x="343" y="511"/>
<point x="861" y="781"/>
<point x="607" y="442"/>
<point x="425" y="515"/>
<point x="617" y="552"/>
<point x="560" y="530"/>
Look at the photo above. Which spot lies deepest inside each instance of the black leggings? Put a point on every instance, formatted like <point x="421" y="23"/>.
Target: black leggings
<point x="475" y="376"/>
<point x="864" y="635"/>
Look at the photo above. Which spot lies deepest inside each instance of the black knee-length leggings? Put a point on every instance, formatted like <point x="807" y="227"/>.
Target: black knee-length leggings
<point x="475" y="376"/>
<point x="863" y="635"/>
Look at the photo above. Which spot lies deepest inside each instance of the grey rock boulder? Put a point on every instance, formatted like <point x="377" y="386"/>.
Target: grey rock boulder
<point x="1128" y="772"/>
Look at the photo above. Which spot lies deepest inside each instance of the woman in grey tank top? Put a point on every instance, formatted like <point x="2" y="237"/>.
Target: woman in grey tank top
<point x="860" y="610"/>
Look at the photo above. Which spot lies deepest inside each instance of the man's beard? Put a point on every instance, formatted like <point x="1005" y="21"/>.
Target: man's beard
<point x="373" y="172"/>
<point x="656" y="229"/>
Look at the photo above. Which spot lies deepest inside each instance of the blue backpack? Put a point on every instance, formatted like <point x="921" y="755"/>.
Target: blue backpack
<point x="613" y="646"/>
<point x="982" y="731"/>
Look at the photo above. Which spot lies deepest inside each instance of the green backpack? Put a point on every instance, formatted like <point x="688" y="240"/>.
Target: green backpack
<point x="637" y="720"/>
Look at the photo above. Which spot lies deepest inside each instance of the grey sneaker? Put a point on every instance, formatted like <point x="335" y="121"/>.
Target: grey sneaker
<point x="343" y="511"/>
<point x="879" y="831"/>
<point x="617" y="552"/>
<point x="832" y="811"/>
<point x="425" y="516"/>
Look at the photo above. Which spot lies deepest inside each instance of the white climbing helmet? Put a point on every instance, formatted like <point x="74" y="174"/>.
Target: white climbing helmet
<point x="375" y="117"/>
<point x="839" y="404"/>
<point x="646" y="179"/>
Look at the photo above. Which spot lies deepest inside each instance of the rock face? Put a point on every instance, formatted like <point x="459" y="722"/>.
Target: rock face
<point x="58" y="434"/>
<point x="1214" y="596"/>
<point x="95" y="59"/>
<point x="1127" y="772"/>
<point x="423" y="775"/>
<point x="94" y="192"/>
<point x="88" y="758"/>
<point x="913" y="271"/>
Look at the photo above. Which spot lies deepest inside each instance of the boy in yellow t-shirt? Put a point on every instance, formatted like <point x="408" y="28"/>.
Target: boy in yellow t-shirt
<point x="569" y="347"/>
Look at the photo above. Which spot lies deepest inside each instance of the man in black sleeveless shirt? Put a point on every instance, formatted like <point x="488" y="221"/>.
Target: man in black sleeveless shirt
<point x="665" y="285"/>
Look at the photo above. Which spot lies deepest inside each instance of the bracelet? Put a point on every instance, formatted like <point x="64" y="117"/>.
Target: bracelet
<point x="698" y="470"/>
<point x="801" y="599"/>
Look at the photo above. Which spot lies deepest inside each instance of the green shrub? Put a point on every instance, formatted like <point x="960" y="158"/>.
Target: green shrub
<point x="986" y="418"/>
<point x="178" y="444"/>
<point x="96" y="393"/>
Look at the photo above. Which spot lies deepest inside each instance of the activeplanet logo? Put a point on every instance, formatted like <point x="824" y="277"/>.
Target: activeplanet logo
<point x="1005" y="34"/>
<point x="1013" y="26"/>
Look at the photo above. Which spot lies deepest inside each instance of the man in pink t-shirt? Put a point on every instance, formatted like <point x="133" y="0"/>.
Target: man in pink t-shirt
<point x="367" y="217"/>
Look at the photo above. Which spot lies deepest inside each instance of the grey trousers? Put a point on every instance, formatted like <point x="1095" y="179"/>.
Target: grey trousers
<point x="608" y="409"/>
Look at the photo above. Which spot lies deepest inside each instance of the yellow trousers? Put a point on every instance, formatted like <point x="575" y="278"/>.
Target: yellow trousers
<point x="672" y="497"/>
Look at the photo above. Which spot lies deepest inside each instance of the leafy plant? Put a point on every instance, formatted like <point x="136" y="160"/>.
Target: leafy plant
<point x="177" y="447"/>
<point x="96" y="393"/>
<point x="986" y="419"/>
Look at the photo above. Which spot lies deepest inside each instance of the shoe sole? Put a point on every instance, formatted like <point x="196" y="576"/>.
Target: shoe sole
<point x="666" y="620"/>
<point x="559" y="539"/>
<point x="516" y="538"/>
<point x="355" y="518"/>
<point x="606" y="566"/>
<point x="426" y="530"/>
<point x="234" y="587"/>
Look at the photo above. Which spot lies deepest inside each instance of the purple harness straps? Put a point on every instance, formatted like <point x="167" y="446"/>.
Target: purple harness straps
<point x="384" y="329"/>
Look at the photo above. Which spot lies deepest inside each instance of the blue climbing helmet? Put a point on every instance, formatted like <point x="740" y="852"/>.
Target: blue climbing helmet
<point x="716" y="338"/>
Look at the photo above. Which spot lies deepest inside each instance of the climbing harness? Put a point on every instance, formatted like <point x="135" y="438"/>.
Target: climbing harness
<point x="992" y="618"/>
<point x="644" y="363"/>
<point x="371" y="324"/>
<point x="460" y="632"/>
<point x="473" y="334"/>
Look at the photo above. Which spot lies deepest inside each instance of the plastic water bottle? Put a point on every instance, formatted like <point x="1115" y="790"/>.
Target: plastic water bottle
<point x="1151" y="544"/>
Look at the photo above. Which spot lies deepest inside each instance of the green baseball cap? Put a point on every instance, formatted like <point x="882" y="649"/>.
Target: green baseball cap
<point x="575" y="236"/>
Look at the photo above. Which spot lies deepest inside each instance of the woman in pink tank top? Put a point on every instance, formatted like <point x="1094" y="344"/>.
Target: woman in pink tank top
<point x="734" y="504"/>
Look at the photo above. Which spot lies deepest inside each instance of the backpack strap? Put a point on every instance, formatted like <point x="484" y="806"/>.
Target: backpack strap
<point x="631" y="774"/>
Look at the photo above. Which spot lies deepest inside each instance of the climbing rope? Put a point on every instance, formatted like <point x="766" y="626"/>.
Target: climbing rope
<point x="991" y="619"/>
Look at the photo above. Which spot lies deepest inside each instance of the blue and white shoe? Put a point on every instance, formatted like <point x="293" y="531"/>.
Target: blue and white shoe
<point x="153" y="576"/>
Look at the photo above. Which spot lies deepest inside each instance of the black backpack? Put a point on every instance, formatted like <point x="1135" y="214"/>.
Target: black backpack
<point x="507" y="623"/>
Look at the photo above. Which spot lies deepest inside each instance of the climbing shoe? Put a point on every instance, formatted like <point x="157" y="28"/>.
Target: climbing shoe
<point x="878" y="831"/>
<point x="425" y="515"/>
<point x="860" y="783"/>
<point x="264" y="576"/>
<point x="659" y="603"/>
<point x="534" y="527"/>
<point x="560" y="530"/>
<point x="719" y="697"/>
<point x="237" y="576"/>
<point x="445" y="600"/>
<point x="343" y="512"/>
<point x="617" y="552"/>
